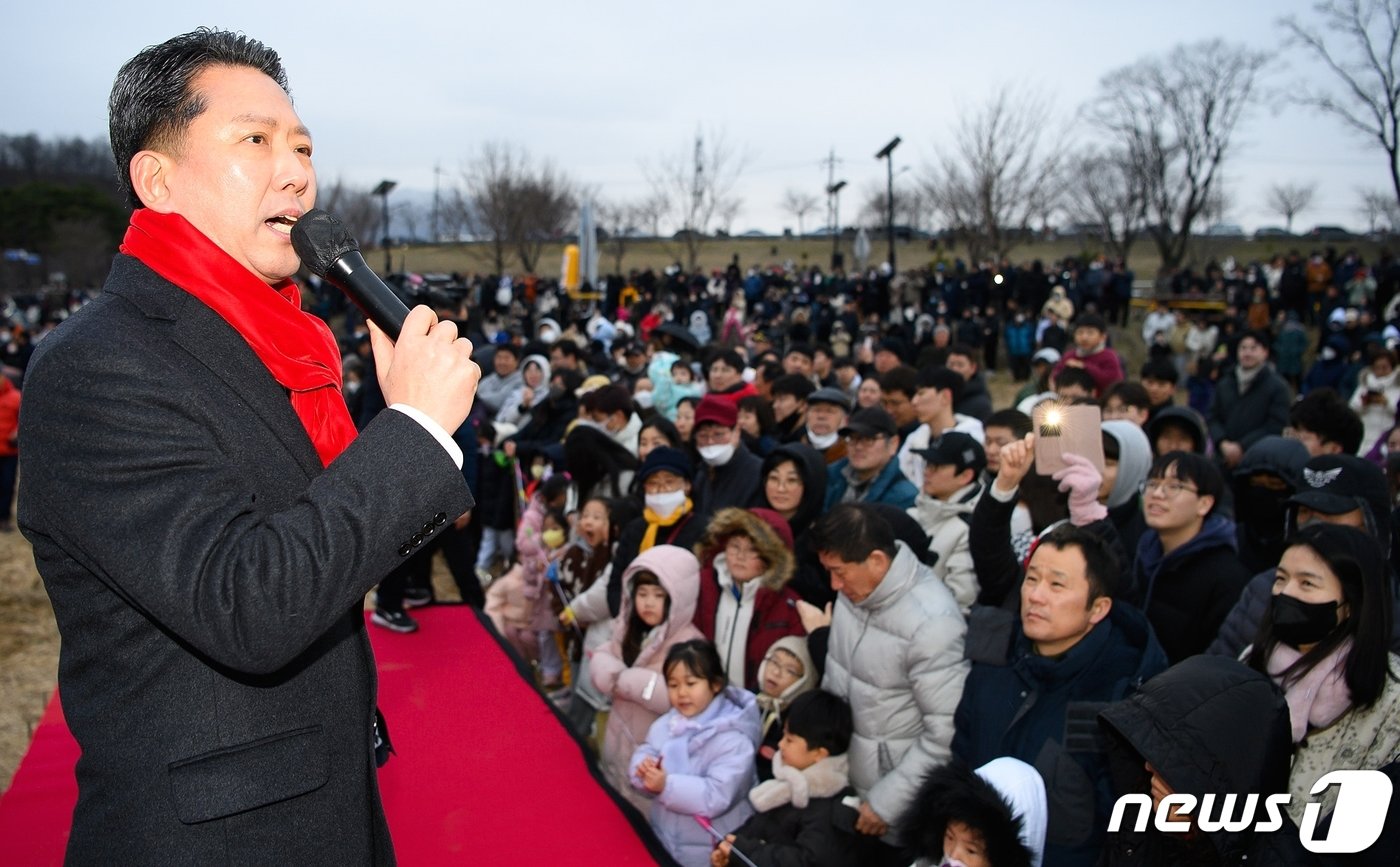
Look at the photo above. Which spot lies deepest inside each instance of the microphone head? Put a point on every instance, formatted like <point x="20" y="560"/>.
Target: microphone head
<point x="320" y="239"/>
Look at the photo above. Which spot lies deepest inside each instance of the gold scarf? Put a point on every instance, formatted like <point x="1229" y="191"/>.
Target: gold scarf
<point x="655" y="522"/>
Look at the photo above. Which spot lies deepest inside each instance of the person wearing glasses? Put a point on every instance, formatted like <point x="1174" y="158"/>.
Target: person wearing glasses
<point x="746" y="561"/>
<point x="730" y="473"/>
<point x="869" y="472"/>
<point x="1187" y="575"/>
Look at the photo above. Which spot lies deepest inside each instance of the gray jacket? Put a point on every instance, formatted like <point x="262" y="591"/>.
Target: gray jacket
<point x="493" y="390"/>
<point x="897" y="658"/>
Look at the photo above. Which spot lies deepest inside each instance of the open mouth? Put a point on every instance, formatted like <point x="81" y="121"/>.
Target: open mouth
<point x="282" y="223"/>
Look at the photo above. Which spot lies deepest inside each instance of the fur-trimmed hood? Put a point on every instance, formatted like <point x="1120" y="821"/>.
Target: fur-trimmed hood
<point x="769" y="533"/>
<point x="1004" y="799"/>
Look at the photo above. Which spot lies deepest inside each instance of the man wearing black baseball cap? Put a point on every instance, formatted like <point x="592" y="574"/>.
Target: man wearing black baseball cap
<point x="869" y="472"/>
<point x="1335" y="489"/>
<point x="953" y="465"/>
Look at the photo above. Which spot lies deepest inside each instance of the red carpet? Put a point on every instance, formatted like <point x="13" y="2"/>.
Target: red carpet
<point x="485" y="773"/>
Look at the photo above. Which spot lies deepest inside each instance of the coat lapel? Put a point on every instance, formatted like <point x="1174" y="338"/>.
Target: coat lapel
<point x="217" y="347"/>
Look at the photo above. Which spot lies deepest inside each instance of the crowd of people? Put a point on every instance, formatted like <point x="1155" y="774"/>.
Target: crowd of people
<point x="778" y="552"/>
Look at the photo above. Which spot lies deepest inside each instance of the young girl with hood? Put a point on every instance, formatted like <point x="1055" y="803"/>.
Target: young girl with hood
<point x="534" y="375"/>
<point x="698" y="758"/>
<point x="745" y="604"/>
<point x="657" y="609"/>
<point x="786" y="673"/>
<point x="994" y="816"/>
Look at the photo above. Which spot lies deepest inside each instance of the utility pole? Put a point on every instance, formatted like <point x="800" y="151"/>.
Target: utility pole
<point x="437" y="179"/>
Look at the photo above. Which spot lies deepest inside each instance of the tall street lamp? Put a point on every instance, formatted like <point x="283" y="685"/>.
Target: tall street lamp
<point x="834" y="191"/>
<point x="886" y="154"/>
<point x="382" y="191"/>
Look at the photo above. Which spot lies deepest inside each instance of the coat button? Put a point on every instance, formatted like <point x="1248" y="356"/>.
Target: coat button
<point x="417" y="539"/>
<point x="440" y="518"/>
<point x="405" y="550"/>
<point x="428" y="528"/>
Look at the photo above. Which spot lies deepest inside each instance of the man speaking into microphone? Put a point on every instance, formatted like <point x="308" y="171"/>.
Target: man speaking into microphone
<point x="204" y="517"/>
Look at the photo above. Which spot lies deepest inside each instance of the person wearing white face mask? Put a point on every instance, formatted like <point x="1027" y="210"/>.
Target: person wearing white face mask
<point x="730" y="476"/>
<point x="827" y="410"/>
<point x="668" y="519"/>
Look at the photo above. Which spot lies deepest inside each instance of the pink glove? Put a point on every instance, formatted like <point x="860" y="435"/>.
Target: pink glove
<point x="1082" y="481"/>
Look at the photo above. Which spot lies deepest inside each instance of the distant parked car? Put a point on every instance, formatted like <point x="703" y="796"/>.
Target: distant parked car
<point x="1274" y="232"/>
<point x="1329" y="233"/>
<point x="1225" y="230"/>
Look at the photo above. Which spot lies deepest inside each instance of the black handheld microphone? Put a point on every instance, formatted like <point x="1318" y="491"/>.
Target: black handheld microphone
<point x="327" y="249"/>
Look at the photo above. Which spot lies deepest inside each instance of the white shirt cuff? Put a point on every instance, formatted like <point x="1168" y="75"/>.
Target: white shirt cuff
<point x="444" y="438"/>
<point x="1003" y="496"/>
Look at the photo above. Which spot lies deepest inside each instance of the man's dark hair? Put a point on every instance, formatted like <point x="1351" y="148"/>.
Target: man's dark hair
<point x="903" y="378"/>
<point x="509" y="349"/>
<point x="154" y="101"/>
<point x="769" y="371"/>
<point x="822" y="720"/>
<point x="1100" y="565"/>
<point x="842" y="361"/>
<point x="825" y="349"/>
<point x="964" y="350"/>
<point x="729" y="357"/>
<point x="608" y="400"/>
<point x="1159" y="368"/>
<point x="1076" y="376"/>
<point x="794" y="384"/>
<point x="1260" y="337"/>
<point x="852" y="532"/>
<point x="1198" y="470"/>
<point x="1322" y="411"/>
<point x="1019" y="422"/>
<point x="1131" y="393"/>
<point x="567" y="347"/>
<point x="802" y="349"/>
<point x="941" y="378"/>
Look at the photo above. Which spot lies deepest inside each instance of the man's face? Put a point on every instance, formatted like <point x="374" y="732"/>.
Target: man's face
<point x="242" y="173"/>
<point x="996" y="437"/>
<point x="941" y="481"/>
<point x="505" y="363"/>
<point x="898" y="404"/>
<point x="713" y="434"/>
<point x="1086" y="339"/>
<point x="845" y="376"/>
<point x="1070" y="393"/>
<point x="1159" y="391"/>
<point x="855" y="581"/>
<point x="1116" y="409"/>
<point x="559" y="360"/>
<point x="825" y="418"/>
<point x="796" y="362"/>
<point x="1251" y="353"/>
<point x="870" y="453"/>
<point x="885" y="361"/>
<point x="962" y="365"/>
<point x="821" y="365"/>
<point x="1174" y="438"/>
<point x="930" y="403"/>
<point x="1354" y="518"/>
<point x="722" y="376"/>
<point x="785" y="405"/>
<point x="1055" y="608"/>
<point x="1171" y="504"/>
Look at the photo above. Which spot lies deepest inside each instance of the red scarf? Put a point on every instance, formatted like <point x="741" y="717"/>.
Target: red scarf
<point x="297" y="348"/>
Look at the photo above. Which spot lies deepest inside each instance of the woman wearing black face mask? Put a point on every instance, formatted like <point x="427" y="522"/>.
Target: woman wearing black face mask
<point x="1325" y="641"/>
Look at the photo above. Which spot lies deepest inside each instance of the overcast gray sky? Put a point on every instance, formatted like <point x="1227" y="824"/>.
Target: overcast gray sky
<point x="391" y="89"/>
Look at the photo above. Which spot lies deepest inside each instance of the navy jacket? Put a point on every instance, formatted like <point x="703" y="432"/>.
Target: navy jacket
<point x="1043" y="711"/>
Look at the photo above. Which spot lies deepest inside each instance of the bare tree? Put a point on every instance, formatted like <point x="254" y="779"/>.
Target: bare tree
<point x="999" y="175"/>
<point x="800" y="204"/>
<point x="1361" y="54"/>
<point x="355" y="207"/>
<point x="514" y="205"/>
<point x="1174" y="116"/>
<point x="1104" y="189"/>
<point x="696" y="186"/>
<point x="1289" y="199"/>
<point x="1379" y="207"/>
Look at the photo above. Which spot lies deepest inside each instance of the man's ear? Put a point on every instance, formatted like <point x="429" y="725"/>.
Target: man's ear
<point x="150" y="176"/>
<point x="1099" y="609"/>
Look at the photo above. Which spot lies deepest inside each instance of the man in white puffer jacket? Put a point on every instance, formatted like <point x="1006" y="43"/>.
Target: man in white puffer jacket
<point x="895" y="654"/>
<point x="953" y="465"/>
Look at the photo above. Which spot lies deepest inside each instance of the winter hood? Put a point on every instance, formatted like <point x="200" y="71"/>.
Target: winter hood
<point x="797" y="646"/>
<point x="812" y="467"/>
<point x="768" y="532"/>
<point x="1004" y="799"/>
<point x="679" y="574"/>
<point x="1184" y="416"/>
<point x="1281" y="456"/>
<point x="1134" y="460"/>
